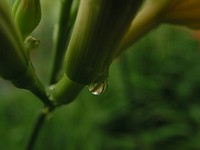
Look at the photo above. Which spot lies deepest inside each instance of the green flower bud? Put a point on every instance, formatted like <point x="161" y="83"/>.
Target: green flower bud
<point x="98" y="29"/>
<point x="14" y="61"/>
<point x="27" y="14"/>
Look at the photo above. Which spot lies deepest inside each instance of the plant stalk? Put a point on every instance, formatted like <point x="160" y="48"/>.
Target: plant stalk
<point x="66" y="21"/>
<point x="43" y="116"/>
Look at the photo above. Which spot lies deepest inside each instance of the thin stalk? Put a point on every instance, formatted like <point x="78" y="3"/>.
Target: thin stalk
<point x="38" y="127"/>
<point x="64" y="91"/>
<point x="66" y="20"/>
<point x="40" y="92"/>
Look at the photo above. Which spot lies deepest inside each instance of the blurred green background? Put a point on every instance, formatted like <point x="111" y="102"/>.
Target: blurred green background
<point x="152" y="103"/>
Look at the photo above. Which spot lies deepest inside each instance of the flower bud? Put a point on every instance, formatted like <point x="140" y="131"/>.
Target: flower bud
<point x="27" y="14"/>
<point x="99" y="27"/>
<point x="155" y="12"/>
<point x="184" y="12"/>
<point x="14" y="61"/>
<point x="148" y="17"/>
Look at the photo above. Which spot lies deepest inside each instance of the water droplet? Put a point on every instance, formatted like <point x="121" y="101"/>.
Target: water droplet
<point x="98" y="88"/>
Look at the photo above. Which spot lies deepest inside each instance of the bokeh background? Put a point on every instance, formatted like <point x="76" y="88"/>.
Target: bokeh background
<point x="152" y="103"/>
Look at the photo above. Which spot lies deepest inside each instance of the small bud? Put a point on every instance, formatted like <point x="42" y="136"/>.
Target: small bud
<point x="99" y="27"/>
<point x="27" y="14"/>
<point x="31" y="43"/>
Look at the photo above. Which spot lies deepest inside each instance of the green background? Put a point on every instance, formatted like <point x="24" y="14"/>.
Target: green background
<point x="152" y="102"/>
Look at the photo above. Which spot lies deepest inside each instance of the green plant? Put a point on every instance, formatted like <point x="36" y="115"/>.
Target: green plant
<point x="85" y="46"/>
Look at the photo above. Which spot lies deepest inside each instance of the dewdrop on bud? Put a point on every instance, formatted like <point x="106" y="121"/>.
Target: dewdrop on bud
<point x="98" y="88"/>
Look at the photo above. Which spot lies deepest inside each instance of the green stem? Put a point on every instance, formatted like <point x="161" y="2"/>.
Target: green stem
<point x="64" y="91"/>
<point x="65" y="24"/>
<point x="38" y="127"/>
<point x="30" y="81"/>
<point x="40" y="92"/>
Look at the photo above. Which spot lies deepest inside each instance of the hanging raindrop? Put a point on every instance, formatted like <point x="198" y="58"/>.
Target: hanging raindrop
<point x="98" y="88"/>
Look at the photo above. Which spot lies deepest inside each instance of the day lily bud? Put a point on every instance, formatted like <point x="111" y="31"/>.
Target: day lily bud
<point x="155" y="12"/>
<point x="27" y="14"/>
<point x="148" y="17"/>
<point x="99" y="27"/>
<point x="184" y="12"/>
<point x="14" y="61"/>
